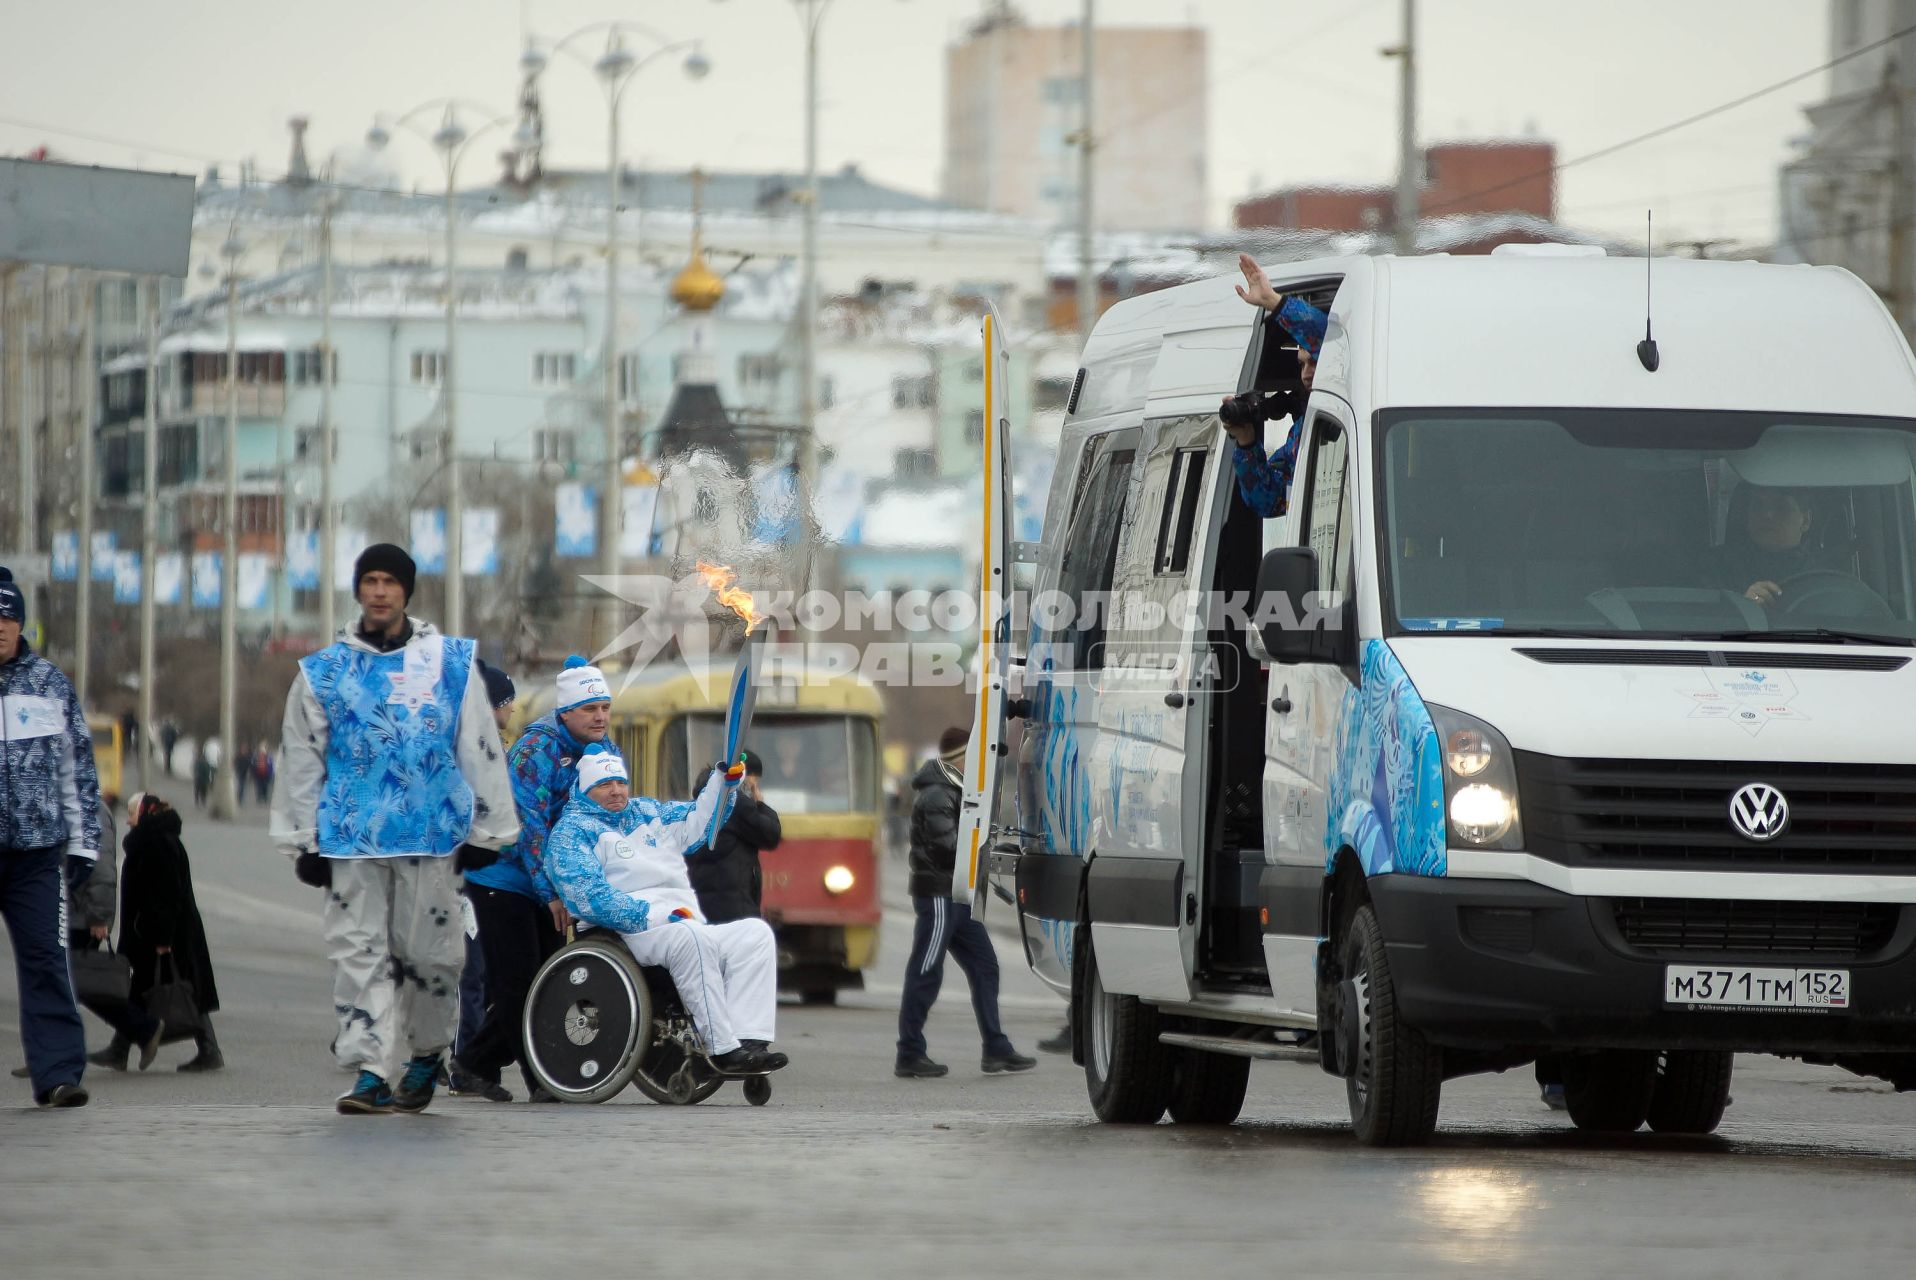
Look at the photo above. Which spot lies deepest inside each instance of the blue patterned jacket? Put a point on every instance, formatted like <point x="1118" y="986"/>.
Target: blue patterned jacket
<point x="1265" y="483"/>
<point x="544" y="765"/>
<point x="617" y="882"/>
<point x="391" y="754"/>
<point x="49" y="792"/>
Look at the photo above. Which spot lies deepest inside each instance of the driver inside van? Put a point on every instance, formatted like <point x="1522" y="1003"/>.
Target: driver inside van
<point x="1769" y="549"/>
<point x="1263" y="481"/>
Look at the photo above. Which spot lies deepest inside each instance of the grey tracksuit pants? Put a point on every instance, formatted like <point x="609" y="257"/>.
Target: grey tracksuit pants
<point x="394" y="935"/>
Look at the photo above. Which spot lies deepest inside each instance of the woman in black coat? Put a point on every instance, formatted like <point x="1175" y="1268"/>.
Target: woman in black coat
<point x="159" y="918"/>
<point x="727" y="877"/>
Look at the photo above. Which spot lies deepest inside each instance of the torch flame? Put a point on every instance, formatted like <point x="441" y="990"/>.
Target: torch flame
<point x="724" y="585"/>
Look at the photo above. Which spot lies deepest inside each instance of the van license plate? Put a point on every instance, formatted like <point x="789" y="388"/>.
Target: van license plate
<point x="1735" y="988"/>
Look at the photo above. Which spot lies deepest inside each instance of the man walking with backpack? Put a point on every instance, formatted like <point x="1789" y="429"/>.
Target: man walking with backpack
<point x="944" y="925"/>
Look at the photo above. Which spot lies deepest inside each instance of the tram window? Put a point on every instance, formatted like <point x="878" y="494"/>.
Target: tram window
<point x="813" y="764"/>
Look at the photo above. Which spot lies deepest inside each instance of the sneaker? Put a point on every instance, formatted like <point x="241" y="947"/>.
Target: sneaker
<point x="21" y="1073"/>
<point x="466" y="1084"/>
<point x="204" y="1060"/>
<point x="541" y="1094"/>
<point x="416" y="1086"/>
<point x="1060" y="1043"/>
<point x="919" y="1069"/>
<point x="1553" y="1097"/>
<point x="151" y="1049"/>
<point x="64" y="1095"/>
<point x="774" y="1060"/>
<point x="369" y="1097"/>
<point x="1005" y="1063"/>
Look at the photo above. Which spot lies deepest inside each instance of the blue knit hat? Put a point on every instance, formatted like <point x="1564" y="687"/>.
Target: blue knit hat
<point x="13" y="602"/>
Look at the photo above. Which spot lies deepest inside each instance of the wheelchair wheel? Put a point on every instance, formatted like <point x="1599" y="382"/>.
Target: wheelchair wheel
<point x="671" y="1075"/>
<point x="588" y="1021"/>
<point x="758" y="1090"/>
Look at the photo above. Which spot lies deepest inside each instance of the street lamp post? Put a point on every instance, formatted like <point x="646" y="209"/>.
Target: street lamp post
<point x="450" y="139"/>
<point x="811" y="14"/>
<point x="614" y="69"/>
<point x="328" y="519"/>
<point x="149" y="525"/>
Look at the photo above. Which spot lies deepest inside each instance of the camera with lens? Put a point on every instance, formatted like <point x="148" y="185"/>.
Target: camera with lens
<point x="1253" y="409"/>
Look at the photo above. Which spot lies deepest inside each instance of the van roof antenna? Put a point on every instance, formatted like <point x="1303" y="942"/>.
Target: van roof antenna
<point x="1647" y="352"/>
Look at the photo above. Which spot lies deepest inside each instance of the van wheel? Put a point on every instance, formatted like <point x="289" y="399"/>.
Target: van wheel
<point x="1610" y="1091"/>
<point x="1208" y="1088"/>
<point x="1692" y="1088"/>
<point x="1396" y="1077"/>
<point x="1126" y="1071"/>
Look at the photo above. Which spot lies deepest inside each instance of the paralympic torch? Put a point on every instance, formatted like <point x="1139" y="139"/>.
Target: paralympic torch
<point x="744" y="687"/>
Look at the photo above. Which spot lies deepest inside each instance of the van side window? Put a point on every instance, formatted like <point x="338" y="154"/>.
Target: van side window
<point x="1182" y="494"/>
<point x="1090" y="553"/>
<point x="1326" y="527"/>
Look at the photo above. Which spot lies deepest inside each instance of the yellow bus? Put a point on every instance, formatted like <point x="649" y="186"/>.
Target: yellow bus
<point x="819" y="744"/>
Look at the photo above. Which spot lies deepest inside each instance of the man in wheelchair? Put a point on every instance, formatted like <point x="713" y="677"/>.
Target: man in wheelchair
<point x="619" y="863"/>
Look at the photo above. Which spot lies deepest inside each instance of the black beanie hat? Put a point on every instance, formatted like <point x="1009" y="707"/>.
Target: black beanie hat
<point x="499" y="686"/>
<point x="384" y="557"/>
<point x="13" y="604"/>
<point x="953" y="739"/>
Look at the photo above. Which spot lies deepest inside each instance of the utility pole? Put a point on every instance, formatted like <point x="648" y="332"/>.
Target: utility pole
<point x="808" y="304"/>
<point x="149" y="523"/>
<point x="328" y="521"/>
<point x="612" y="499"/>
<point x="449" y="396"/>
<point x="225" y="800"/>
<point x="1087" y="265"/>
<point x="1902" y="198"/>
<point x="13" y="408"/>
<point x="83" y="613"/>
<point x="1408" y="166"/>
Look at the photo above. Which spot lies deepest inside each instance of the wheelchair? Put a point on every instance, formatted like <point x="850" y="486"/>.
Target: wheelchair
<point x="597" y="1020"/>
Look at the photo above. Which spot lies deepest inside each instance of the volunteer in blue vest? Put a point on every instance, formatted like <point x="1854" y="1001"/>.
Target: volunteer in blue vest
<point x="392" y="781"/>
<point x="521" y="921"/>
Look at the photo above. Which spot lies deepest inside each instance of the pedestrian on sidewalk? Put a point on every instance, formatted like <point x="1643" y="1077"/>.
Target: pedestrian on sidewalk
<point x="393" y="782"/>
<point x="501" y="693"/>
<point x="161" y="931"/>
<point x="49" y="813"/>
<point x="728" y="878"/>
<point x="946" y="926"/>
<point x="521" y="920"/>
<point x="203" y="766"/>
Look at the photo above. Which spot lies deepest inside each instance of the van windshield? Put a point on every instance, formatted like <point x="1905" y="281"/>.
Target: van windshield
<point x="1674" y="524"/>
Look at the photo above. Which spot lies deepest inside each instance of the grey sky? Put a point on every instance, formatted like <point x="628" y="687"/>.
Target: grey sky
<point x="1298" y="91"/>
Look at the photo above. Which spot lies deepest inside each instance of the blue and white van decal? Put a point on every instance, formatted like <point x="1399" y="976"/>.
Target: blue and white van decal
<point x="1387" y="788"/>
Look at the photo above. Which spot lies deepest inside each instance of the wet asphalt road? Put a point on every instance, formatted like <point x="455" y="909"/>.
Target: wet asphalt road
<point x="851" y="1172"/>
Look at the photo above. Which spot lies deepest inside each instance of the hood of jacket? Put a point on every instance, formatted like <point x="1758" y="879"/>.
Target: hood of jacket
<point x="936" y="773"/>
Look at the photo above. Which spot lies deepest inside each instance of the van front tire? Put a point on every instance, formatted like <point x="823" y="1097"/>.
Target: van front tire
<point x="1396" y="1077"/>
<point x="1127" y="1072"/>
<point x="1693" y="1087"/>
<point x="1610" y="1091"/>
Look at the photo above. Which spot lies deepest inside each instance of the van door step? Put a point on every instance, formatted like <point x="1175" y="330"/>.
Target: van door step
<point x="1262" y="1050"/>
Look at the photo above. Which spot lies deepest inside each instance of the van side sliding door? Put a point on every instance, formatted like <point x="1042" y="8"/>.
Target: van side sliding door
<point x="1146" y="883"/>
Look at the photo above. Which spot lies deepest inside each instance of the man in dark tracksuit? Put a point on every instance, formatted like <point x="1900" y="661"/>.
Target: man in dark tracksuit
<point x="727" y="877"/>
<point x="944" y="925"/>
<point x="49" y="812"/>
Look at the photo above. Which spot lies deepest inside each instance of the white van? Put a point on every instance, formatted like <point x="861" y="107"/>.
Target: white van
<point x="1596" y="753"/>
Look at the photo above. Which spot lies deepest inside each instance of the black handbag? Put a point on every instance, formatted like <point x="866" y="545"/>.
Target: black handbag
<point x="171" y="999"/>
<point x="100" y="978"/>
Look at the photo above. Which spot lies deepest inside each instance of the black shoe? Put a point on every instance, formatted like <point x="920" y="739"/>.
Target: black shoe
<point x="63" y="1095"/>
<point x="542" y="1094"/>
<point x="369" y="1096"/>
<point x="468" y="1084"/>
<point x="742" y="1062"/>
<point x="775" y="1061"/>
<point x="1060" y="1043"/>
<point x="204" y="1060"/>
<point x="113" y="1056"/>
<point x="1004" y="1063"/>
<point x="919" y="1069"/>
<point x="151" y="1049"/>
<point x="21" y="1073"/>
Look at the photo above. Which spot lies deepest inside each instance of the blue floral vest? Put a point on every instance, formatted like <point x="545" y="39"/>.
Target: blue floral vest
<point x="393" y="785"/>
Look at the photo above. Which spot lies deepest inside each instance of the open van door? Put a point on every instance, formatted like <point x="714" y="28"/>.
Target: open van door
<point x="984" y="757"/>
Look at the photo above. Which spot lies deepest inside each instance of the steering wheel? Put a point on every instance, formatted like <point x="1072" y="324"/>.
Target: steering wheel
<point x="1833" y="594"/>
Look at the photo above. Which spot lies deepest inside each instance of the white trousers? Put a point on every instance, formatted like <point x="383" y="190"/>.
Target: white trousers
<point x="727" y="976"/>
<point x="394" y="935"/>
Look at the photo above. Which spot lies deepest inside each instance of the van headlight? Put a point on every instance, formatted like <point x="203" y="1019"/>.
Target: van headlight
<point x="839" y="879"/>
<point x="1480" y="782"/>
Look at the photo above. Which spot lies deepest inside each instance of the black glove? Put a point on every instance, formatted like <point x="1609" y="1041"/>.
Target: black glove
<point x="312" y="869"/>
<point x="472" y="858"/>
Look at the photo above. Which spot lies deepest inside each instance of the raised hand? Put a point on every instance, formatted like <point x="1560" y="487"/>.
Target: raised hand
<point x="1260" y="293"/>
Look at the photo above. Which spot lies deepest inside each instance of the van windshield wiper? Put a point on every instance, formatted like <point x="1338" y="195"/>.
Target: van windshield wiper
<point x="1816" y="635"/>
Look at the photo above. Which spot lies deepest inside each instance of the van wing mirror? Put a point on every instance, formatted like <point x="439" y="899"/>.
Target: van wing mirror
<point x="1292" y="619"/>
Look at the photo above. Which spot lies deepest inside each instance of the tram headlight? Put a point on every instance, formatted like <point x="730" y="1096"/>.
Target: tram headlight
<point x="839" y="879"/>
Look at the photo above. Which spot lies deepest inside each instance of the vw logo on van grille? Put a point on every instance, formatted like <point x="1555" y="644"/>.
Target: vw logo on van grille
<point x="1759" y="812"/>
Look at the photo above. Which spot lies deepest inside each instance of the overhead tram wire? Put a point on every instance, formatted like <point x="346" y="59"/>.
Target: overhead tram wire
<point x="1672" y="127"/>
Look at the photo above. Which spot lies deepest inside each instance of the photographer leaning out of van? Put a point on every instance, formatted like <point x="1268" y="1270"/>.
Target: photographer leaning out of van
<point x="1265" y="482"/>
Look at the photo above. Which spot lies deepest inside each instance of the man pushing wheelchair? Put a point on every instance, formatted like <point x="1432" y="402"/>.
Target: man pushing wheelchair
<point x="618" y="863"/>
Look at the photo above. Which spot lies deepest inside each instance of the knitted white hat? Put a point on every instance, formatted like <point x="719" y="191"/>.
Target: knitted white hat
<point x="580" y="682"/>
<point x="600" y="763"/>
